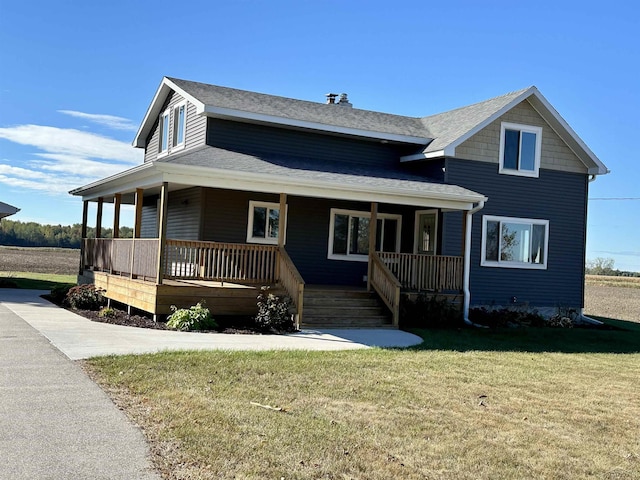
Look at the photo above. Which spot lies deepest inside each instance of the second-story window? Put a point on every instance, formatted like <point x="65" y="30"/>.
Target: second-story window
<point x="179" y="123"/>
<point x="520" y="147"/>
<point x="164" y="132"/>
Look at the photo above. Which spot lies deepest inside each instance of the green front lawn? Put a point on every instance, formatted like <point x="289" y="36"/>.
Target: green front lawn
<point x="36" y="281"/>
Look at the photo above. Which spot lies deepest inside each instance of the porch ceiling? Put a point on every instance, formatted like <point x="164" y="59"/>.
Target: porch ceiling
<point x="219" y="168"/>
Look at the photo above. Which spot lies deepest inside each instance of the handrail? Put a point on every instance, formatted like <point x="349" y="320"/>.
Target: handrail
<point x="386" y="285"/>
<point x="126" y="256"/>
<point x="425" y="272"/>
<point x="292" y="281"/>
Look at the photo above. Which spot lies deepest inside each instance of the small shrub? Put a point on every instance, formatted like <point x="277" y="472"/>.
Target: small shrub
<point x="564" y="318"/>
<point x="197" y="317"/>
<point x="428" y="311"/>
<point x="85" y="297"/>
<point x="273" y="312"/>
<point x="59" y="293"/>
<point x="107" y="312"/>
<point x="506" y="317"/>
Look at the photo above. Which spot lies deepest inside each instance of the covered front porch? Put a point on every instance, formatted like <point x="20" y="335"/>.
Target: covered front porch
<point x="207" y="233"/>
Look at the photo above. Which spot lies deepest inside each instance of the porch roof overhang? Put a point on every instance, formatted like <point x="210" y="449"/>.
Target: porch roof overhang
<point x="219" y="168"/>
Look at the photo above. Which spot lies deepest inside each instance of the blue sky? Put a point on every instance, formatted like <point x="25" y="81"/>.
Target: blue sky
<point x="77" y="77"/>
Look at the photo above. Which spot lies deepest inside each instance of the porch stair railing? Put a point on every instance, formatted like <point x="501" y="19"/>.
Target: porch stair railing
<point x="425" y="272"/>
<point x="386" y="285"/>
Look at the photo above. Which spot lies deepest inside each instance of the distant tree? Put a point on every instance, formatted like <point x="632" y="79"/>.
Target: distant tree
<point x="601" y="266"/>
<point x="31" y="234"/>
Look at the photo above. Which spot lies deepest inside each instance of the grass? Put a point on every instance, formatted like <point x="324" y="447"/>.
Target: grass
<point x="37" y="281"/>
<point x="469" y="404"/>
<point x="605" y="281"/>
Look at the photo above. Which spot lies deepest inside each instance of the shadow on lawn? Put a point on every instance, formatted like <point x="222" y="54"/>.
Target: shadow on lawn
<point x="617" y="337"/>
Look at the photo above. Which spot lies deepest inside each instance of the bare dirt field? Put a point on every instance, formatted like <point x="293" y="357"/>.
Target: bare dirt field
<point x="612" y="297"/>
<point x="63" y="261"/>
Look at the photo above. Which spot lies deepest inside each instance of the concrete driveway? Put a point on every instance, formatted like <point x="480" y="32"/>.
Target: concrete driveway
<point x="79" y="338"/>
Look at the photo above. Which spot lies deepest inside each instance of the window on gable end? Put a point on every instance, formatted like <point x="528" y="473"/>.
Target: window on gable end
<point x="520" y="147"/>
<point x="163" y="144"/>
<point x="179" y="125"/>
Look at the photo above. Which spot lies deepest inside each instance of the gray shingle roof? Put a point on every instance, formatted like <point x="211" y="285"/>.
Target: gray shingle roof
<point x="302" y="110"/>
<point x="287" y="167"/>
<point x="445" y="128"/>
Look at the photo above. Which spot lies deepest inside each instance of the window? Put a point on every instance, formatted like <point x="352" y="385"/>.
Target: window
<point x="349" y="234"/>
<point x="164" y="132"/>
<point x="520" y="149"/>
<point x="514" y="242"/>
<point x="264" y="222"/>
<point x="179" y="121"/>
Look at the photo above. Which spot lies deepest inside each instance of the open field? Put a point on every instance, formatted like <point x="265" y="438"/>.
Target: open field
<point x="59" y="261"/>
<point x="612" y="297"/>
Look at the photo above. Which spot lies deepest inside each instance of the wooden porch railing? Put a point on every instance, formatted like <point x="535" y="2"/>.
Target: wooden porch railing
<point x="386" y="285"/>
<point x="425" y="272"/>
<point x="224" y="262"/>
<point x="291" y="280"/>
<point x="124" y="256"/>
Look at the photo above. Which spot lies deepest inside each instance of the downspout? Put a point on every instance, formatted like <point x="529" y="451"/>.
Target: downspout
<point x="467" y="264"/>
<point x="583" y="317"/>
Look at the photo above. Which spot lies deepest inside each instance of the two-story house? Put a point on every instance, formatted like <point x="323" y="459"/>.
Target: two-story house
<point x="344" y="208"/>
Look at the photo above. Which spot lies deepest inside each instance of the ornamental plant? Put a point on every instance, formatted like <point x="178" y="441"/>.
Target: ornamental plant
<point x="273" y="312"/>
<point x="85" y="297"/>
<point x="196" y="317"/>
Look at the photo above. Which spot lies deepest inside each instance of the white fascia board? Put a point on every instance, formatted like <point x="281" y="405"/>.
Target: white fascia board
<point x="166" y="86"/>
<point x="218" y="178"/>
<point x="564" y="130"/>
<point x="129" y="180"/>
<point x="448" y="151"/>
<point x="250" y="117"/>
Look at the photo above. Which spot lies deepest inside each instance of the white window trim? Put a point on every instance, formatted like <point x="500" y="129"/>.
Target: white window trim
<point x="353" y="257"/>
<point x="281" y="223"/>
<point x="181" y="145"/>
<point x="166" y="113"/>
<point x="522" y="128"/>
<point x="416" y="236"/>
<point x="506" y="264"/>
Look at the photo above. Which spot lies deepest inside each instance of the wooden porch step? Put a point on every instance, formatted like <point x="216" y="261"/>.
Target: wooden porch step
<point x="343" y="307"/>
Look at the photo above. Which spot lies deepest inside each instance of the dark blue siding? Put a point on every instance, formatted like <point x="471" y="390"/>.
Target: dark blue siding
<point x="250" y="138"/>
<point x="555" y="196"/>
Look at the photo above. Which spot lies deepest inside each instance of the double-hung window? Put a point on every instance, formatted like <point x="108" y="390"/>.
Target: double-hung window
<point x="163" y="146"/>
<point x="520" y="147"/>
<point x="514" y="242"/>
<point x="179" y="122"/>
<point x="349" y="234"/>
<point x="264" y="222"/>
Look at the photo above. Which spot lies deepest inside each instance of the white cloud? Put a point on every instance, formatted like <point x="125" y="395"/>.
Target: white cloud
<point x="69" y="159"/>
<point x="111" y="121"/>
<point x="71" y="142"/>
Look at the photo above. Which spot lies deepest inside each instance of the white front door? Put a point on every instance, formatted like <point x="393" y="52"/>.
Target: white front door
<point x="426" y="237"/>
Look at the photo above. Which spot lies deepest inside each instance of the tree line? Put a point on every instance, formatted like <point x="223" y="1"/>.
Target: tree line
<point x="31" y="234"/>
<point x="605" y="266"/>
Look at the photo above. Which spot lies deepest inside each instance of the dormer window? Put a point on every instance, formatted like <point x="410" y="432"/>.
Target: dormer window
<point x="520" y="147"/>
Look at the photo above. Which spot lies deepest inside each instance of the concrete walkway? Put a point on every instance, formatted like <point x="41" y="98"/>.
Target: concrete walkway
<point x="80" y="338"/>
<point x="55" y="423"/>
